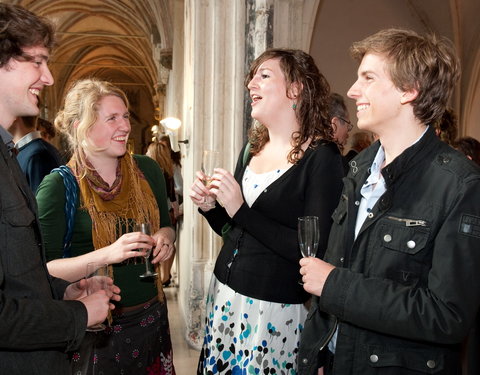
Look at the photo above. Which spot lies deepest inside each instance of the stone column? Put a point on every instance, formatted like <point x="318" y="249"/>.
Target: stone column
<point x="212" y="119"/>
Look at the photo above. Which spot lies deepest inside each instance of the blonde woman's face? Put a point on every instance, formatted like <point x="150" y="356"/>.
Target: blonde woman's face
<point x="110" y="131"/>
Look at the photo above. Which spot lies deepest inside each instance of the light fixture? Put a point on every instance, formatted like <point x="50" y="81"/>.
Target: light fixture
<point x="171" y="123"/>
<point x="171" y="126"/>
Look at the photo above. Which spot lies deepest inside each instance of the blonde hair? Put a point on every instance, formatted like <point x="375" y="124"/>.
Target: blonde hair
<point x="160" y="152"/>
<point x="79" y="113"/>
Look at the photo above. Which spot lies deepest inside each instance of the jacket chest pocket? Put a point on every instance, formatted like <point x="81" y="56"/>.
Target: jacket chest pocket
<point x="403" y="252"/>
<point x="20" y="240"/>
<point x="391" y="360"/>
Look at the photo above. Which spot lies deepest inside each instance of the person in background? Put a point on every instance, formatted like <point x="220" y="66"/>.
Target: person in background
<point x="177" y="170"/>
<point x="397" y="291"/>
<point x="292" y="168"/>
<point x="341" y="125"/>
<point x="446" y="127"/>
<point x="36" y="156"/>
<point x="42" y="318"/>
<point x="46" y="129"/>
<point x="470" y="147"/>
<point x="359" y="142"/>
<point x="115" y="191"/>
<point x="340" y="119"/>
<point x="161" y="154"/>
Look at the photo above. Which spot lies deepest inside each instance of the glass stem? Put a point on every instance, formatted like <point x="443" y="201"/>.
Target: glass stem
<point x="147" y="265"/>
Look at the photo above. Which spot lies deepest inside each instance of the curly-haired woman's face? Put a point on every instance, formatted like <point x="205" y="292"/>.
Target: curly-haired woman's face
<point x="268" y="93"/>
<point x="112" y="128"/>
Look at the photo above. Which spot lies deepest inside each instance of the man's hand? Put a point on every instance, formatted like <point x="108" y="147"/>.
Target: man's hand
<point x="98" y="303"/>
<point x="314" y="273"/>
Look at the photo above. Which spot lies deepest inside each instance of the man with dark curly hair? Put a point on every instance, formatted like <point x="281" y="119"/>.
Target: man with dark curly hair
<point x="41" y="317"/>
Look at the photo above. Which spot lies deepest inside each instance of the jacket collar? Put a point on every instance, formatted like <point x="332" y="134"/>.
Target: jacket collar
<point x="404" y="162"/>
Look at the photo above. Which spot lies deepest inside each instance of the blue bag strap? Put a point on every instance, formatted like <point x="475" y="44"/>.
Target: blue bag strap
<point x="71" y="196"/>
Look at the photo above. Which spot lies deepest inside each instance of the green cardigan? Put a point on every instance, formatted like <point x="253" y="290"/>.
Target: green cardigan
<point x="51" y="202"/>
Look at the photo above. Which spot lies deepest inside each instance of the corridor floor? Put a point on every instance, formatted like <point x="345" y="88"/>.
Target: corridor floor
<point x="184" y="357"/>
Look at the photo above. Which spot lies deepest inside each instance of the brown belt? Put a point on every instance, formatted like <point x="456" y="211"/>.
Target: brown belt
<point x="127" y="309"/>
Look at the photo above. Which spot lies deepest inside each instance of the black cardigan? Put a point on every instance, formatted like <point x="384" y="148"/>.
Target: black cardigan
<point x="266" y="263"/>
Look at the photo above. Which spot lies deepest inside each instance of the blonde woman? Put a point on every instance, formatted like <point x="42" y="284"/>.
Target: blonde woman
<point x="115" y="190"/>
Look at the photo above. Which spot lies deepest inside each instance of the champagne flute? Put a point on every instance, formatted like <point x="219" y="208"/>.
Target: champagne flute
<point x="308" y="236"/>
<point x="210" y="161"/>
<point x="145" y="228"/>
<point x="96" y="276"/>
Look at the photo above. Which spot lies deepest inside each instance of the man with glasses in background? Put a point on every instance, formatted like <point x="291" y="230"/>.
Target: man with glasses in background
<point x="340" y="120"/>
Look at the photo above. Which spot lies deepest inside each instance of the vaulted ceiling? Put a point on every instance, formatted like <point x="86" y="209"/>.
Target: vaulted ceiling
<point x="127" y="42"/>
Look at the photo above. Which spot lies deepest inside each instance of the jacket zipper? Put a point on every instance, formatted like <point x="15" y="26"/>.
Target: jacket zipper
<point x="409" y="222"/>
<point x="330" y="335"/>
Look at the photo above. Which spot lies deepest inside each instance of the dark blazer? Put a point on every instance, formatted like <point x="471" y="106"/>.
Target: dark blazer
<point x="37" y="328"/>
<point x="260" y="255"/>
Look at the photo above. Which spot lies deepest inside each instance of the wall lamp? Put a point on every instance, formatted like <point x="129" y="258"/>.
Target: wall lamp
<point x="171" y="126"/>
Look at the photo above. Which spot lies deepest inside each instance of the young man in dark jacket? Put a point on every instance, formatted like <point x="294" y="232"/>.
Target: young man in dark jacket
<point x="41" y="317"/>
<point x="399" y="287"/>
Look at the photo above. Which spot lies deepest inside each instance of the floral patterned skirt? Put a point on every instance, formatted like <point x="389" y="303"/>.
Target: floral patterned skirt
<point x="137" y="342"/>
<point x="244" y="335"/>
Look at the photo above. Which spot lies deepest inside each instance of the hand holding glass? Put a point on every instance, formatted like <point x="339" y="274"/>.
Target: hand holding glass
<point x="97" y="279"/>
<point x="145" y="228"/>
<point x="308" y="235"/>
<point x="210" y="161"/>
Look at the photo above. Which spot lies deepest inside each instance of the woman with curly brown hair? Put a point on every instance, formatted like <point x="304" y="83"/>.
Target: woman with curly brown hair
<point x="255" y="304"/>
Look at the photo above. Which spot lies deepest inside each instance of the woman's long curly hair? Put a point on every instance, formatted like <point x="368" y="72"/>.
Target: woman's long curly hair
<point x="311" y="110"/>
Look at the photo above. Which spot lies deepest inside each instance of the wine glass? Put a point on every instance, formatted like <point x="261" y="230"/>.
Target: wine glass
<point x="308" y="235"/>
<point x="145" y="228"/>
<point x="97" y="274"/>
<point x="210" y="161"/>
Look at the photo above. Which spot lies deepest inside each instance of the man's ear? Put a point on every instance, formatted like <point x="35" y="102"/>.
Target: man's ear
<point x="408" y="96"/>
<point x="333" y="121"/>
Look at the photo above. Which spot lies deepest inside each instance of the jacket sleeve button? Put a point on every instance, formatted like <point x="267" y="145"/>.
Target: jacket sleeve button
<point x="305" y="361"/>
<point x="374" y="358"/>
<point x="431" y="363"/>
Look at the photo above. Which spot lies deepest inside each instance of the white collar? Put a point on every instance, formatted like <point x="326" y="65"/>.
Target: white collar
<point x="27" y="138"/>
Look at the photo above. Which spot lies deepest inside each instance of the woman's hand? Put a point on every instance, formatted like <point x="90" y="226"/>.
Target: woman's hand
<point x="227" y="190"/>
<point x="127" y="246"/>
<point x="200" y="194"/>
<point x="164" y="247"/>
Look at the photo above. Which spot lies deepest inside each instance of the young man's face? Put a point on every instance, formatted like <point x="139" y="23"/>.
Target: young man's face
<point x="378" y="100"/>
<point x="20" y="84"/>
